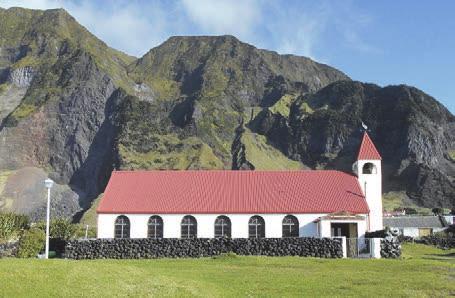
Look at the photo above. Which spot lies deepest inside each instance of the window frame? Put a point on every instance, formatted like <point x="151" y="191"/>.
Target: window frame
<point x="259" y="227"/>
<point x="294" y="222"/>
<point x="191" y="227"/>
<point x="226" y="227"/>
<point x="125" y="227"/>
<point x="158" y="227"/>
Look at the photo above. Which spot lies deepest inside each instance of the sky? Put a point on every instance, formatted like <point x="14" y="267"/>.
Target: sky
<point x="383" y="42"/>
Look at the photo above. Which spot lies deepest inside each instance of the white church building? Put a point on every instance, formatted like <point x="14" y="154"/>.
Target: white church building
<point x="242" y="204"/>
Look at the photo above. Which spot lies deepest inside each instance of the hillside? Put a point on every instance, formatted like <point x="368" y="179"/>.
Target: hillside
<point x="75" y="109"/>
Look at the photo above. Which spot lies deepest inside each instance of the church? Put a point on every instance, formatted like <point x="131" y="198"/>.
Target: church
<point x="245" y="204"/>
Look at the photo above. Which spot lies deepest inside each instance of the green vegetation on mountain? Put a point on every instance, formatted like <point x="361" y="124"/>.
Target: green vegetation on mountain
<point x="398" y="200"/>
<point x="452" y="155"/>
<point x="89" y="218"/>
<point x="264" y="156"/>
<point x="283" y="105"/>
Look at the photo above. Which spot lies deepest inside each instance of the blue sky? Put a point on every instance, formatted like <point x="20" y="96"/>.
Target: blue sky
<point x="382" y="42"/>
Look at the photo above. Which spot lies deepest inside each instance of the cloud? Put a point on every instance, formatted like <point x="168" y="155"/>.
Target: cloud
<point x="123" y="25"/>
<point x="33" y="4"/>
<point x="297" y="30"/>
<point x="239" y="18"/>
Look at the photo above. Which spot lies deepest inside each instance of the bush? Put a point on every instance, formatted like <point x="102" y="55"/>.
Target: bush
<point x="31" y="243"/>
<point x="437" y="211"/>
<point x="11" y="223"/>
<point x="63" y="229"/>
<point x="410" y="211"/>
<point x="60" y="228"/>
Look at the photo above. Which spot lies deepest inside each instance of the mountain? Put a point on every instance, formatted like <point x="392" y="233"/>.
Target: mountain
<point x="75" y="109"/>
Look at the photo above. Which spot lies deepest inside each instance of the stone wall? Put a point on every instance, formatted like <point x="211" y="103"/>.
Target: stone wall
<point x="444" y="243"/>
<point x="390" y="248"/>
<point x="195" y="248"/>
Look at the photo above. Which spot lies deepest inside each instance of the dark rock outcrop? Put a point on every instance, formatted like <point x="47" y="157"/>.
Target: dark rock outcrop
<point x="413" y="133"/>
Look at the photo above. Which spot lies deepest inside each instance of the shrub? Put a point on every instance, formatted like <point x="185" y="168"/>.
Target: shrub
<point x="437" y="211"/>
<point x="410" y="211"/>
<point x="31" y="243"/>
<point x="11" y="223"/>
<point x="441" y="234"/>
<point x="60" y="228"/>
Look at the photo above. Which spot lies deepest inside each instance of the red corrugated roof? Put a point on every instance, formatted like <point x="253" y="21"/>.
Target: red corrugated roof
<point x="367" y="149"/>
<point x="231" y="192"/>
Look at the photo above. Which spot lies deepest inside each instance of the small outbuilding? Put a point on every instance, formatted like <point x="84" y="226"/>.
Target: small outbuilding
<point x="416" y="226"/>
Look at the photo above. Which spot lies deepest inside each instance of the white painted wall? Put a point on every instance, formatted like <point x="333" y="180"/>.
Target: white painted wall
<point x="206" y="227"/>
<point x="450" y="219"/>
<point x="414" y="232"/>
<point x="376" y="248"/>
<point x="371" y="185"/>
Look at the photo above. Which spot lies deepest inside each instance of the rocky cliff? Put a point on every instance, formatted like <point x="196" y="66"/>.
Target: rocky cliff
<point x="75" y="109"/>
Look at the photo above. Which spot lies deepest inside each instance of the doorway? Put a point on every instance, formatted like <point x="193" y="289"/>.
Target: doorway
<point x="348" y="230"/>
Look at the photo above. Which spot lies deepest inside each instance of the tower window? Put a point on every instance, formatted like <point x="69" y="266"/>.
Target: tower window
<point x="369" y="168"/>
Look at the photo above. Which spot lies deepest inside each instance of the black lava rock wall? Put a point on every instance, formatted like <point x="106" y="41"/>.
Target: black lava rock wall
<point x="444" y="243"/>
<point x="195" y="248"/>
<point x="390" y="248"/>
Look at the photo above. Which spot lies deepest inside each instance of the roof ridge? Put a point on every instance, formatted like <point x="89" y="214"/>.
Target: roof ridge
<point x="230" y="171"/>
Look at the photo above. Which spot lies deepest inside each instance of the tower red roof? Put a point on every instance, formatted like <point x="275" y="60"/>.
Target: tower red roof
<point x="232" y="192"/>
<point x="368" y="149"/>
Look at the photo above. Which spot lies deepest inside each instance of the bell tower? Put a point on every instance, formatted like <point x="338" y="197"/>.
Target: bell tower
<point x="369" y="173"/>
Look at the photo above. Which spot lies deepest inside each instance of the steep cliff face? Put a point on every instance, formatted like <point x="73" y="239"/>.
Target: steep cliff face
<point x="74" y="109"/>
<point x="60" y="87"/>
<point x="413" y="132"/>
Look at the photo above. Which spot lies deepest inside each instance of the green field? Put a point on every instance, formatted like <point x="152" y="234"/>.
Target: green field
<point x="423" y="271"/>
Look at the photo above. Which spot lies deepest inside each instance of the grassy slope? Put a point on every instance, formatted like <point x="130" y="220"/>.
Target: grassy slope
<point x="89" y="217"/>
<point x="398" y="199"/>
<point x="424" y="271"/>
<point x="265" y="157"/>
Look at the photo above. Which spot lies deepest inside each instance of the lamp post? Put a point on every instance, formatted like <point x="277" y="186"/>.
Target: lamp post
<point x="48" y="183"/>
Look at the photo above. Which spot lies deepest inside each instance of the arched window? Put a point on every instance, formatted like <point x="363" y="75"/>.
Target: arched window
<point x="256" y="227"/>
<point x="155" y="227"/>
<point x="222" y="227"/>
<point x="290" y="226"/>
<point x="369" y="168"/>
<point x="189" y="227"/>
<point x="122" y="227"/>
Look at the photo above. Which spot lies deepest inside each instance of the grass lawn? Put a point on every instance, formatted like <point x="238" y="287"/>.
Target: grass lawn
<point x="423" y="271"/>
